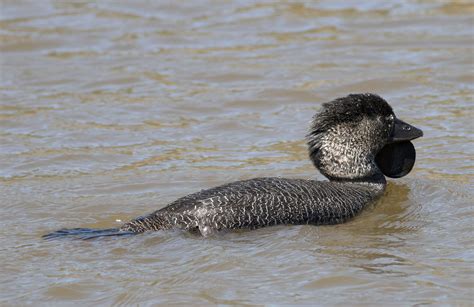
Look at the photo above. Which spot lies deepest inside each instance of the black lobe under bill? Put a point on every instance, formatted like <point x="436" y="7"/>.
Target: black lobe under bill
<point x="396" y="160"/>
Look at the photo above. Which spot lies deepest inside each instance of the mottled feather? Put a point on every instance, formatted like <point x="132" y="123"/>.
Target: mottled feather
<point x="261" y="202"/>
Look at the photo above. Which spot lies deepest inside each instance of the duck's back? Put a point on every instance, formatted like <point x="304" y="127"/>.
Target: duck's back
<point x="261" y="202"/>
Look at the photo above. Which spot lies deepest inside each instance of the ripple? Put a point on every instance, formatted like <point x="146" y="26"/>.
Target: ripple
<point x="111" y="110"/>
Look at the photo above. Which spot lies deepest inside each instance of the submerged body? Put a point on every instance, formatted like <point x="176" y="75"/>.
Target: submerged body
<point x="354" y="141"/>
<point x="262" y="202"/>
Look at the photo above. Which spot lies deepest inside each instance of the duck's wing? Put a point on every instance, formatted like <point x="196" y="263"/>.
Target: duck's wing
<point x="187" y="211"/>
<point x="257" y="203"/>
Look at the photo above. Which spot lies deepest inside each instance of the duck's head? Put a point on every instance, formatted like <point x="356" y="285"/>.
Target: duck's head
<point x="359" y="136"/>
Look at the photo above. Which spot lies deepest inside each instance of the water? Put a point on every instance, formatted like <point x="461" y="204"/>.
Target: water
<point x="109" y="111"/>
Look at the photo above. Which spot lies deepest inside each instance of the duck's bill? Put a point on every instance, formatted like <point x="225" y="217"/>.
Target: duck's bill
<point x="398" y="157"/>
<point x="404" y="132"/>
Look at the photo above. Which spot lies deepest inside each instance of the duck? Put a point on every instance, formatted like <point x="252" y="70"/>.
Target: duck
<point x="354" y="141"/>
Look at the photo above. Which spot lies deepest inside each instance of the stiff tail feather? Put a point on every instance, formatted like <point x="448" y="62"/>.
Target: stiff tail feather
<point x="86" y="233"/>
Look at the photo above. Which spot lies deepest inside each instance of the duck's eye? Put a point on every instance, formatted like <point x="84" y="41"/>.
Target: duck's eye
<point x="405" y="127"/>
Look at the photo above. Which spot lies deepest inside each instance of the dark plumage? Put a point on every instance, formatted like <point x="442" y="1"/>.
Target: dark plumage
<point x="344" y="139"/>
<point x="261" y="202"/>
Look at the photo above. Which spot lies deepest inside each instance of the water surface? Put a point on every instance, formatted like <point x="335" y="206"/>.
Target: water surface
<point x="111" y="110"/>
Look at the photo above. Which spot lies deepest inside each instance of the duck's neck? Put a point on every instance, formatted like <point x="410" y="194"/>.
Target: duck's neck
<point x="376" y="182"/>
<point x="346" y="152"/>
<point x="377" y="178"/>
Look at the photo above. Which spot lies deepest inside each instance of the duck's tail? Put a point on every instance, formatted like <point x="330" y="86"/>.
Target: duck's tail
<point x="86" y="233"/>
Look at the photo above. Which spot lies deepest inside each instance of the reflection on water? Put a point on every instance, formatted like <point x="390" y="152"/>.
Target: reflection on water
<point x="110" y="110"/>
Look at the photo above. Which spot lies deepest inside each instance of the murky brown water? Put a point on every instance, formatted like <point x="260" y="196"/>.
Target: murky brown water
<point x="109" y="111"/>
